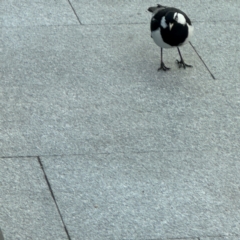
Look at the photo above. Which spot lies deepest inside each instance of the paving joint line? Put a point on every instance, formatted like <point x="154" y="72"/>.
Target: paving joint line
<point x="101" y="24"/>
<point x="27" y="156"/>
<point x="174" y="238"/>
<point x="54" y="199"/>
<point x="90" y="153"/>
<point x="100" y="153"/>
<point x="202" y="60"/>
<point x="181" y="238"/>
<point x="114" y="24"/>
<point x="217" y="236"/>
<point x="74" y="12"/>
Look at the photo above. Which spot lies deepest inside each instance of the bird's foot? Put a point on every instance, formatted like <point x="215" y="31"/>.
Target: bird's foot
<point x="182" y="64"/>
<point x="163" y="67"/>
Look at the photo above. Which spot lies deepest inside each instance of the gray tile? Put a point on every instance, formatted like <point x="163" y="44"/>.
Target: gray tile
<point x="221" y="238"/>
<point x="183" y="239"/>
<point x="172" y="239"/>
<point x="89" y="51"/>
<point x="27" y="208"/>
<point x="94" y="53"/>
<point x="86" y="89"/>
<point x="33" y="13"/>
<point x="164" y="239"/>
<point x="147" y="195"/>
<point x="220" y="39"/>
<point x="103" y="93"/>
<point x="50" y="121"/>
<point x="115" y="12"/>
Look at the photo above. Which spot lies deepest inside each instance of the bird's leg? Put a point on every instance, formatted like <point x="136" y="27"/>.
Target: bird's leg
<point x="181" y="63"/>
<point x="162" y="65"/>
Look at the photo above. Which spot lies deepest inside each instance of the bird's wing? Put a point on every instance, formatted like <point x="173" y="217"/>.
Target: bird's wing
<point x="176" y="36"/>
<point x="157" y="17"/>
<point x="172" y="9"/>
<point x="159" y="11"/>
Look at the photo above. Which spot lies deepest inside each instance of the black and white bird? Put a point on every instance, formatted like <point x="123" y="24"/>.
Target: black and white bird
<point x="170" y="27"/>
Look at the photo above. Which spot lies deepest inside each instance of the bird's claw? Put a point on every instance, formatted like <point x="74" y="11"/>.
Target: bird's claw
<point x="163" y="67"/>
<point x="182" y="64"/>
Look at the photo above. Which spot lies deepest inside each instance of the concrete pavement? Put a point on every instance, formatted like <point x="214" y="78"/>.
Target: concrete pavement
<point x="95" y="143"/>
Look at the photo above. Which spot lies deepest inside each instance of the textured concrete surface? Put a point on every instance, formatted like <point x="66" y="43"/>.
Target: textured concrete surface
<point x="27" y="210"/>
<point x="134" y="11"/>
<point x="221" y="238"/>
<point x="73" y="99"/>
<point x="34" y="13"/>
<point x="224" y="62"/>
<point x="120" y="90"/>
<point x="1" y="235"/>
<point x="95" y="143"/>
<point x="147" y="195"/>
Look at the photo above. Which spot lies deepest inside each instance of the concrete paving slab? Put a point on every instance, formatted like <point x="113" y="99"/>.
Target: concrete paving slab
<point x="70" y="89"/>
<point x="74" y="92"/>
<point x="168" y="239"/>
<point x="221" y="238"/>
<point x="34" y="13"/>
<point x="118" y="12"/>
<point x="147" y="195"/>
<point x="49" y="121"/>
<point x="175" y="239"/>
<point x="1" y="235"/>
<point x="88" y="51"/>
<point x="37" y="56"/>
<point x="181" y="239"/>
<point x="27" y="209"/>
<point x="221" y="40"/>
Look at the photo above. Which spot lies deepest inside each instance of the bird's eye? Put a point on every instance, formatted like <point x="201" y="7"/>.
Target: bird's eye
<point x="176" y="18"/>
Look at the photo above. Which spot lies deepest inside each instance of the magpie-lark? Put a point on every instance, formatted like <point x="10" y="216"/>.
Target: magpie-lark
<point x="170" y="27"/>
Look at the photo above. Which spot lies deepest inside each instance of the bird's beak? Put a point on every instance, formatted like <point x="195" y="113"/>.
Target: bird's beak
<point x="170" y="26"/>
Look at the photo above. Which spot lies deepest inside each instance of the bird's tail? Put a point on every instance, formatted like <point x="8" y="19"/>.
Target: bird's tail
<point x="153" y="9"/>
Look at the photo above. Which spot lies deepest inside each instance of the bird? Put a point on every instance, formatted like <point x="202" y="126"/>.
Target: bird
<point x="170" y="27"/>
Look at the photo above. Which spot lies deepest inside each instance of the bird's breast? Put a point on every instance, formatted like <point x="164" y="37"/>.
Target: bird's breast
<point x="157" y="38"/>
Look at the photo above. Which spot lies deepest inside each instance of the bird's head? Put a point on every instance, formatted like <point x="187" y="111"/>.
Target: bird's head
<point x="172" y="18"/>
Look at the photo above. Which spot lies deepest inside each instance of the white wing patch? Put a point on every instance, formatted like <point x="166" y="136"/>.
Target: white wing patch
<point x="163" y="23"/>
<point x="180" y="18"/>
